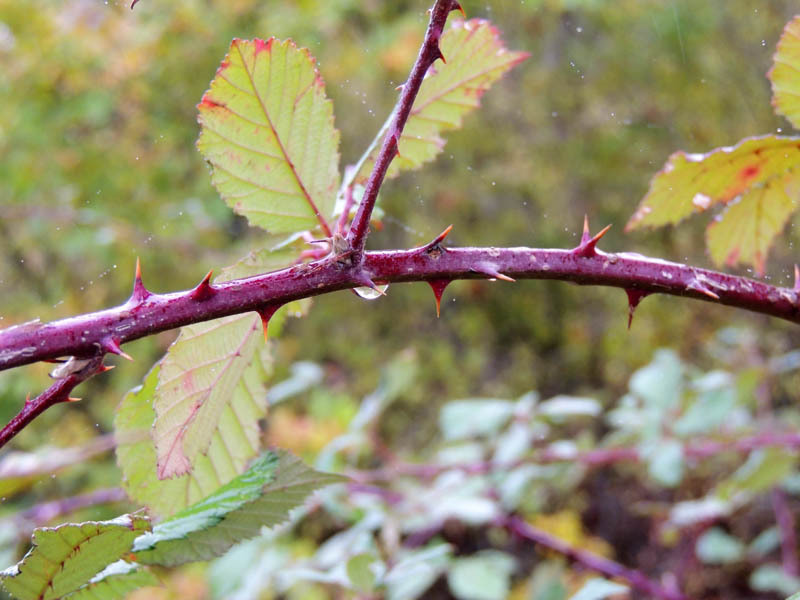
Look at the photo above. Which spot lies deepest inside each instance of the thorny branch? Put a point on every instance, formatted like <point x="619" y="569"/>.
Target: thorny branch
<point x="428" y="54"/>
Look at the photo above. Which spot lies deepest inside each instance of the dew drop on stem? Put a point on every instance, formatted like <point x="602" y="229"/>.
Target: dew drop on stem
<point x="371" y="294"/>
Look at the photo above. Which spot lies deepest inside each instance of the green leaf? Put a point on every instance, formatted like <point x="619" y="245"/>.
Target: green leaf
<point x="359" y="571"/>
<point x="230" y="449"/>
<point x="64" y="558"/>
<point x="274" y="484"/>
<point x="747" y="228"/>
<point x="665" y="462"/>
<point x="267" y="130"/>
<point x="772" y="578"/>
<point x="715" y="547"/>
<point x="599" y="589"/>
<point x="755" y="179"/>
<point x="210" y="368"/>
<point x="416" y="571"/>
<point x="474" y="417"/>
<point x="115" y="582"/>
<point x="482" y="576"/>
<point x="763" y="469"/>
<point x="785" y="73"/>
<point x="476" y="58"/>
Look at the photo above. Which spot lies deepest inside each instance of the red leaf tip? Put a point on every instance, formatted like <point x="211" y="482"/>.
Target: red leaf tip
<point x="634" y="297"/>
<point x="438" y="286"/>
<point x="204" y="290"/>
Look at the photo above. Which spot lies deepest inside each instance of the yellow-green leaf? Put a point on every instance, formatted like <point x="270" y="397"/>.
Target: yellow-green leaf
<point x="66" y="557"/>
<point x="476" y="58"/>
<point x="757" y="178"/>
<point x="785" y="73"/>
<point x="747" y="228"/>
<point x="267" y="130"/>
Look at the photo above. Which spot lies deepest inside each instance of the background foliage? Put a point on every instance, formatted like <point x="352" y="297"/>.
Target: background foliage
<point x="98" y="165"/>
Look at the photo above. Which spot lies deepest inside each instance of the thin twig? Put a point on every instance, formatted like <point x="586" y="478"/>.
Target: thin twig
<point x="24" y="465"/>
<point x="592" y="561"/>
<point x="55" y="394"/>
<point x="428" y="54"/>
<point x="45" y="512"/>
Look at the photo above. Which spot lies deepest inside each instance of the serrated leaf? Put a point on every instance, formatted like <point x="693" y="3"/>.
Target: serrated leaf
<point x="745" y="231"/>
<point x="267" y="130"/>
<point x="785" y="73"/>
<point x="262" y="496"/>
<point x="210" y="367"/>
<point x="760" y="171"/>
<point x="64" y="558"/>
<point x="476" y="58"/>
<point x="227" y="456"/>
<point x="115" y="582"/>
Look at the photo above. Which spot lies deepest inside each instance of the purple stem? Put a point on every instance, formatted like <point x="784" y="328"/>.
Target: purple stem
<point x="145" y="313"/>
<point x="55" y="394"/>
<point x="47" y="511"/>
<point x="786" y="525"/>
<point x="428" y="54"/>
<point x="607" y="567"/>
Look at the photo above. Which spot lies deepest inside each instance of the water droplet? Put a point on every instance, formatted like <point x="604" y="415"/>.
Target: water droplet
<point x="369" y="294"/>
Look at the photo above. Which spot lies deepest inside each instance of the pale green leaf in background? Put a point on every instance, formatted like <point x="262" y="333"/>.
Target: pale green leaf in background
<point x="267" y="130"/>
<point x="262" y="496"/>
<point x="772" y="578"/>
<point x="599" y="589"/>
<point x="716" y="547"/>
<point x="66" y="557"/>
<point x="474" y="417"/>
<point x="763" y="469"/>
<point x="485" y="575"/>
<point x="416" y="571"/>
<point x="785" y="73"/>
<point x="476" y="59"/>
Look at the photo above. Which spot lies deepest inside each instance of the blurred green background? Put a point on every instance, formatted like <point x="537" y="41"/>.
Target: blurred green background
<point x="98" y="167"/>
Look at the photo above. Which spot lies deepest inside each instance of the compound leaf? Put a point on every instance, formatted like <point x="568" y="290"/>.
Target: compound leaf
<point x="267" y="130"/>
<point x="66" y="557"/>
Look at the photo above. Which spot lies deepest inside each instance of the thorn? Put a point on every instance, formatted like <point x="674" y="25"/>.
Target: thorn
<point x="455" y="6"/>
<point x="27" y="398"/>
<point x="400" y="87"/>
<point x="588" y="247"/>
<point x="699" y="287"/>
<point x="490" y="270"/>
<point x="435" y="242"/>
<point x="438" y="286"/>
<point x="104" y="368"/>
<point x="586" y="235"/>
<point x="266" y="313"/>
<point x="71" y="399"/>
<point x="634" y="297"/>
<point x="203" y="291"/>
<point x="133" y="3"/>
<point x="140" y="293"/>
<point x="362" y="279"/>
<point x="111" y="345"/>
<point x="438" y="54"/>
<point x="797" y="279"/>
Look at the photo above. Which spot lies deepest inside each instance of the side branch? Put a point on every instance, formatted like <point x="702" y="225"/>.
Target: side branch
<point x="428" y="54"/>
<point x="147" y="313"/>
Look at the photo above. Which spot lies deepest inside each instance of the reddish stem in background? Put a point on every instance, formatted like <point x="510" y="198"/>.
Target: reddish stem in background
<point x="428" y="54"/>
<point x="607" y="567"/>
<point x="45" y="512"/>
<point x="786" y="525"/>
